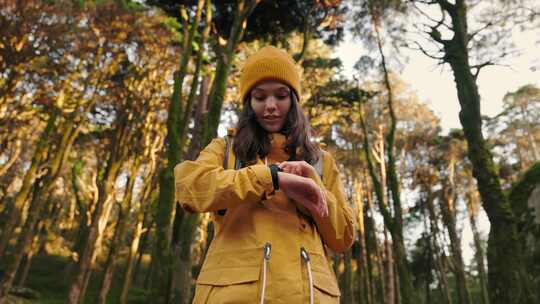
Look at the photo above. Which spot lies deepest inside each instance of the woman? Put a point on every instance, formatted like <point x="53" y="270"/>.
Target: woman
<point x="274" y="215"/>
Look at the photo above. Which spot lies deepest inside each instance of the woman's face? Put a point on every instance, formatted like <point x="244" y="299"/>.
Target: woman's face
<point x="271" y="102"/>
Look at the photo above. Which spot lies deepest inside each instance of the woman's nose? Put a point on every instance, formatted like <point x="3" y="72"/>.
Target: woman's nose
<point x="271" y="103"/>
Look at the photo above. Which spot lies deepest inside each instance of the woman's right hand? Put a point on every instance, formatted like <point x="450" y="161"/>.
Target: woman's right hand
<point x="304" y="191"/>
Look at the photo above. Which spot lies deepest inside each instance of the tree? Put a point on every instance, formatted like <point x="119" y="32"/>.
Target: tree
<point x="514" y="135"/>
<point x="508" y="278"/>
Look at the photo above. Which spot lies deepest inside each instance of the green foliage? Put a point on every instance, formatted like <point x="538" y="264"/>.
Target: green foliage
<point x="522" y="189"/>
<point x="46" y="278"/>
<point x="174" y="26"/>
<point x="272" y="21"/>
<point x="421" y="262"/>
<point x="78" y="167"/>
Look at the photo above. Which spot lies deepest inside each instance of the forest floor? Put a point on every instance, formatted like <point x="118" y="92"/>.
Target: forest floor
<point x="47" y="278"/>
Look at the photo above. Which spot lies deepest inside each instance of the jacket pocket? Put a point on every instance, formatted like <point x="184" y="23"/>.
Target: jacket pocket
<point x="231" y="276"/>
<point x="324" y="278"/>
<point x="229" y="267"/>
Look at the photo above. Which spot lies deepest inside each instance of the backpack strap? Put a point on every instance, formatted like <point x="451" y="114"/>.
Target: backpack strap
<point x="229" y="160"/>
<point x="228" y="156"/>
<point x="319" y="166"/>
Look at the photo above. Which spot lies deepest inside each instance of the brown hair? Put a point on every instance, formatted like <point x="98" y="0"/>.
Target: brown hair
<point x="251" y="139"/>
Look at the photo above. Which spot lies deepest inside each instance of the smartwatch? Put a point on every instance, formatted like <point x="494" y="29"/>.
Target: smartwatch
<point x="274" y="169"/>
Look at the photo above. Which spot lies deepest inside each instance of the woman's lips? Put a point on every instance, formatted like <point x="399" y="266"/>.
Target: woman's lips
<point x="271" y="119"/>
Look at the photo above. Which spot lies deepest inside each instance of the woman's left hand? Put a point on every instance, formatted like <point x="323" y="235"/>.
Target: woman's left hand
<point x="305" y="192"/>
<point x="301" y="168"/>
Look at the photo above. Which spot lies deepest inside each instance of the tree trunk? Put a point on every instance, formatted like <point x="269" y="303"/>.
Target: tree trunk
<point x="530" y="127"/>
<point x="364" y="293"/>
<point x="144" y="244"/>
<point x="42" y="147"/>
<point x="41" y="190"/>
<point x="525" y="198"/>
<point x="181" y="280"/>
<point x="406" y="292"/>
<point x="13" y="156"/>
<point x="30" y="255"/>
<point x="440" y="270"/>
<point x="22" y="247"/>
<point x="508" y="279"/>
<point x="225" y="59"/>
<point x="118" y="148"/>
<point x="148" y="278"/>
<point x="473" y="205"/>
<point x="347" y="293"/>
<point x="108" y="273"/>
<point x="389" y="275"/>
<point x="84" y="222"/>
<point x="196" y="74"/>
<point x="306" y="33"/>
<point x="121" y="226"/>
<point x="165" y="212"/>
<point x="448" y="200"/>
<point x="39" y="239"/>
<point x="126" y="283"/>
<point x="372" y="249"/>
<point x="201" y="112"/>
<point x="138" y="231"/>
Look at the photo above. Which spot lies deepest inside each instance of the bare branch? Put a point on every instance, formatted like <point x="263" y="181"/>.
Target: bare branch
<point x="436" y="35"/>
<point x="375" y="154"/>
<point x="447" y="6"/>
<point x="438" y="22"/>
<point x="479" y="67"/>
<point x="420" y="48"/>
<point x="471" y="36"/>
<point x="489" y="24"/>
<point x="426" y="2"/>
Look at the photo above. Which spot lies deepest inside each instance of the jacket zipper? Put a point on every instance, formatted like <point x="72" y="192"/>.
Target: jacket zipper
<point x="305" y="256"/>
<point x="266" y="258"/>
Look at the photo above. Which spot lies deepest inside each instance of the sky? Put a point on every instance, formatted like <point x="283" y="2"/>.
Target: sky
<point x="435" y="86"/>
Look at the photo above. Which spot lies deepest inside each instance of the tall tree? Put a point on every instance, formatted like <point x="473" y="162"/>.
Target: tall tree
<point x="508" y="278"/>
<point x="377" y="13"/>
<point x="126" y="109"/>
<point x="513" y="132"/>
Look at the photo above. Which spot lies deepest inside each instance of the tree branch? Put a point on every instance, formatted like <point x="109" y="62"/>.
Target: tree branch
<point x="420" y="48"/>
<point x="438" y="22"/>
<point x="478" y="67"/>
<point x="472" y="35"/>
<point x="427" y="2"/>
<point x="447" y="6"/>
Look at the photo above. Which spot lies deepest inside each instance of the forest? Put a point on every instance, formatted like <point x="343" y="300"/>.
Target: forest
<point x="101" y="99"/>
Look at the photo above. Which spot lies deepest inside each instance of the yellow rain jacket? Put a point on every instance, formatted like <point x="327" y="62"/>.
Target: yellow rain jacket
<point x="259" y="219"/>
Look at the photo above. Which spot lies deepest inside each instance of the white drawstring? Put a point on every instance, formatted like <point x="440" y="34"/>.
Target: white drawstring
<point x="305" y="256"/>
<point x="266" y="258"/>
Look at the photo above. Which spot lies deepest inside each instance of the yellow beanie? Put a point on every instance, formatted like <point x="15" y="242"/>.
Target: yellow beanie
<point x="269" y="63"/>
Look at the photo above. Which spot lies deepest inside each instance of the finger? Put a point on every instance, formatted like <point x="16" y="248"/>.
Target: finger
<point x="325" y="208"/>
<point x="320" y="211"/>
<point x="323" y="211"/>
<point x="286" y="169"/>
<point x="322" y="202"/>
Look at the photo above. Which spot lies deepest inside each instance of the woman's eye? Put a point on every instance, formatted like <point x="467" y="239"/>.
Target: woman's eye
<point x="282" y="97"/>
<point x="259" y="98"/>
